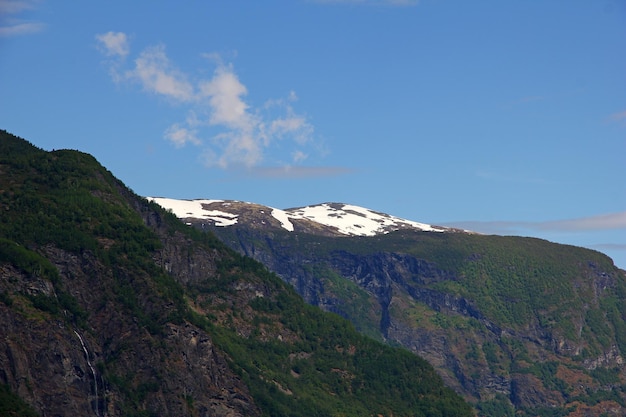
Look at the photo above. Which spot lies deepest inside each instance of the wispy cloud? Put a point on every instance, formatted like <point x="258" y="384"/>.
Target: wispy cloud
<point x="619" y="117"/>
<point x="17" y="29"/>
<point x="113" y="44"/>
<point x="115" y="47"/>
<point x="12" y="22"/>
<point x="231" y="132"/>
<point x="15" y="6"/>
<point x="609" y="246"/>
<point x="610" y="221"/>
<point x="157" y="75"/>
<point x="180" y="135"/>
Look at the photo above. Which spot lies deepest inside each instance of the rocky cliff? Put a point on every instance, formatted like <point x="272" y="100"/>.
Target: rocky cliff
<point x="514" y="324"/>
<point x="102" y="359"/>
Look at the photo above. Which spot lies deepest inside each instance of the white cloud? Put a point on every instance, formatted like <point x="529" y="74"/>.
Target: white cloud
<point x="299" y="156"/>
<point x="232" y="132"/>
<point x="234" y="149"/>
<point x="242" y="142"/>
<point x="15" y="26"/>
<point x="292" y="125"/>
<point x="17" y="29"/>
<point x="114" y="43"/>
<point x="225" y="93"/>
<point x="155" y="73"/>
<point x="15" y="6"/>
<point x="8" y="7"/>
<point x="180" y="135"/>
<point x="152" y="70"/>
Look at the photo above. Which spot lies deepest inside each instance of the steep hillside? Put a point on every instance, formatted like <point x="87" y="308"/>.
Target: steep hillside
<point x="514" y="324"/>
<point x="110" y="306"/>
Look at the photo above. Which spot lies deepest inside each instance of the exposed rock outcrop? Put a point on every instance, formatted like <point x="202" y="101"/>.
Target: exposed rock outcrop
<point x="420" y="305"/>
<point x="91" y="368"/>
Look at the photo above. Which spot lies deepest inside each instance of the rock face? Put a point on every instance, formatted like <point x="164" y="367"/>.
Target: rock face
<point x="89" y="325"/>
<point x="177" y="370"/>
<point x="470" y="307"/>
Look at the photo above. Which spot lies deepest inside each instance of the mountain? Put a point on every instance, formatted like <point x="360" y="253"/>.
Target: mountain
<point x="110" y="306"/>
<point x="328" y="219"/>
<point x="518" y="326"/>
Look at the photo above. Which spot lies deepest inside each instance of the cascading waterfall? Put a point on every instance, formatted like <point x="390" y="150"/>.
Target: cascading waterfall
<point x="93" y="372"/>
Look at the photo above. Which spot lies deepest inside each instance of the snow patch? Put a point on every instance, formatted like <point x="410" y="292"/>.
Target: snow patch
<point x="184" y="209"/>
<point x="359" y="221"/>
<point x="283" y="218"/>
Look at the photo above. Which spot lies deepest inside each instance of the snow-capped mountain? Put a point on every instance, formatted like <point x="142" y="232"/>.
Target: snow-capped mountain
<point x="326" y="218"/>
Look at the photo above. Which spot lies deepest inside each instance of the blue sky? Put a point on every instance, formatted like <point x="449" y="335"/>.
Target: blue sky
<point x="502" y="117"/>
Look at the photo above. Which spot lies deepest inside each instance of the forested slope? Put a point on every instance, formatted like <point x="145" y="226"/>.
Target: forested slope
<point x="111" y="306"/>
<point x="514" y="324"/>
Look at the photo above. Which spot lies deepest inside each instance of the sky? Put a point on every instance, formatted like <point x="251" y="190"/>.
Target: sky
<point x="503" y="117"/>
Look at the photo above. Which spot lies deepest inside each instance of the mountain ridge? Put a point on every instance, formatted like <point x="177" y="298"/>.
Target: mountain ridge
<point x="110" y="306"/>
<point x="331" y="217"/>
<point x="519" y="326"/>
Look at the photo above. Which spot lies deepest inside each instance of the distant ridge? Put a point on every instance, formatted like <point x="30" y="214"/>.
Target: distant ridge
<point x="334" y="218"/>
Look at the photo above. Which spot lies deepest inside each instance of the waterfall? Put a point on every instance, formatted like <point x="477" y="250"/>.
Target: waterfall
<point x="93" y="372"/>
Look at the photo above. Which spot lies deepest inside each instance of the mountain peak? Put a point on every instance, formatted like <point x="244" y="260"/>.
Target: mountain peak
<point x="325" y="218"/>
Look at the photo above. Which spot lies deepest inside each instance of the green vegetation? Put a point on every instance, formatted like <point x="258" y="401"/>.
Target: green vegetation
<point x="550" y="411"/>
<point x="516" y="281"/>
<point x="13" y="406"/>
<point x="606" y="376"/>
<point x="356" y="302"/>
<point x="500" y="406"/>
<point x="504" y="305"/>
<point x="546" y="372"/>
<point x="64" y="200"/>
<point x="296" y="360"/>
<point x="35" y="265"/>
<point x="330" y="369"/>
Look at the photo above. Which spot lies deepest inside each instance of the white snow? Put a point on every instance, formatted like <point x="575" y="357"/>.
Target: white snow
<point x="283" y="217"/>
<point x="355" y="220"/>
<point x="184" y="209"/>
